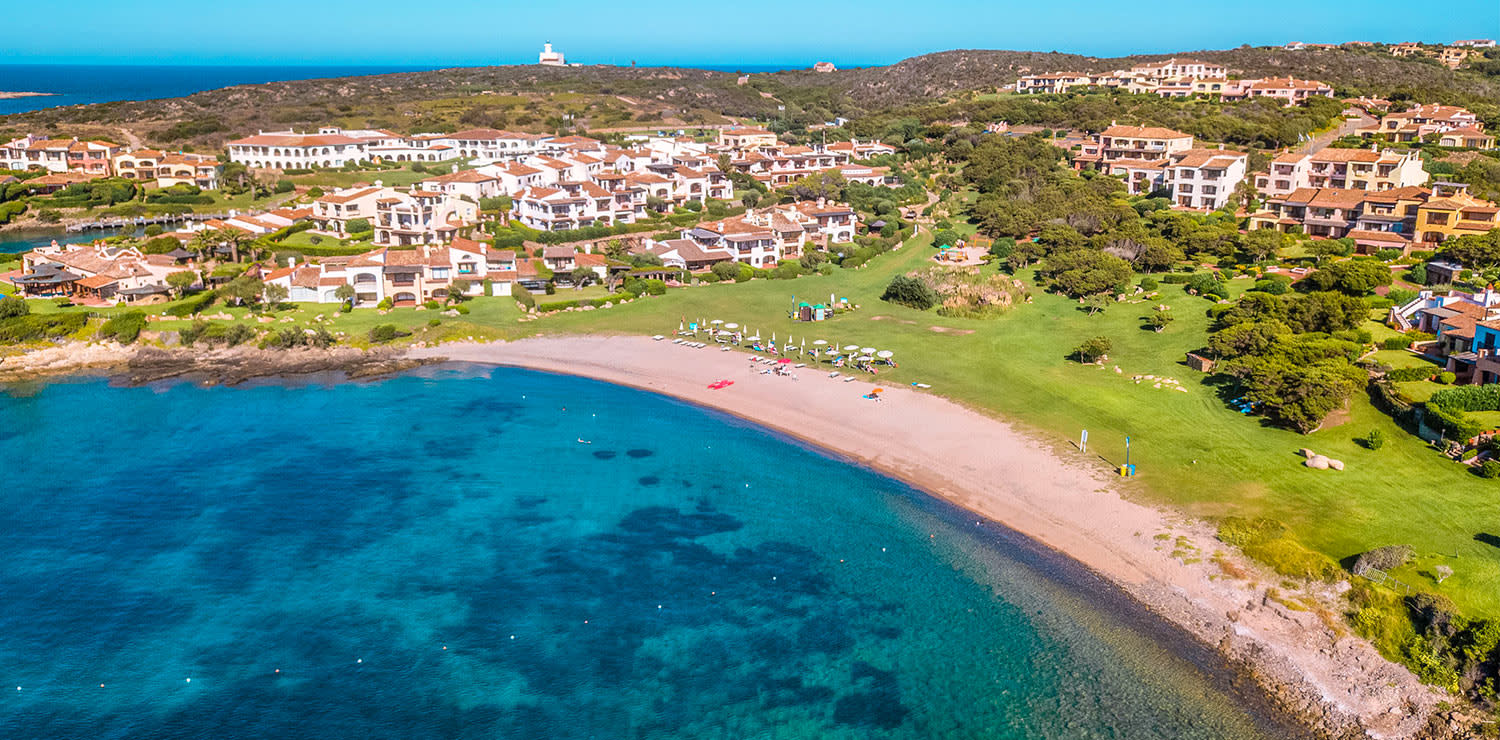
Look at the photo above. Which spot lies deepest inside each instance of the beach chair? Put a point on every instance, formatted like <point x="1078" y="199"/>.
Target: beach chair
<point x="833" y="375"/>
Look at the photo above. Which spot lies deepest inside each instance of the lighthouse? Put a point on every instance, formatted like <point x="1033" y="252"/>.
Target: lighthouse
<point x="550" y="58"/>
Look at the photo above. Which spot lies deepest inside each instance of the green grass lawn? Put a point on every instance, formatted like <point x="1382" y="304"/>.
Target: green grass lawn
<point x="1192" y="452"/>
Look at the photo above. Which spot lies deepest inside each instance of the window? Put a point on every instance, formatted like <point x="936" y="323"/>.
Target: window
<point x="440" y="273"/>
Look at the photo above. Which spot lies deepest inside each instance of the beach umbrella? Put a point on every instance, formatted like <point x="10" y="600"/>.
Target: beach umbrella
<point x="717" y="321"/>
<point x="731" y="325"/>
<point x="885" y="354"/>
<point x="867" y="351"/>
<point x="785" y="361"/>
<point x="820" y="342"/>
<point x="851" y="348"/>
<point x="681" y="326"/>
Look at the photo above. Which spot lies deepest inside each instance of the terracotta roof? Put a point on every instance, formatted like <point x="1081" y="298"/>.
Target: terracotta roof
<point x="1144" y="132"/>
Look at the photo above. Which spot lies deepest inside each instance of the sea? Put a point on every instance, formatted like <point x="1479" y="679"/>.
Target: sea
<point x="77" y="84"/>
<point x="475" y="552"/>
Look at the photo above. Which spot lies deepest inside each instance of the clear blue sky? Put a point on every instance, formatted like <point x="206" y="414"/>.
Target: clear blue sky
<point x="741" y="32"/>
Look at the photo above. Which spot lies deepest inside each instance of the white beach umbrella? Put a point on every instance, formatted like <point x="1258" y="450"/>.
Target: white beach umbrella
<point x="885" y="354"/>
<point x="731" y="325"/>
<point x="851" y="348"/>
<point x="717" y="321"/>
<point x="820" y="342"/>
<point x="867" y="350"/>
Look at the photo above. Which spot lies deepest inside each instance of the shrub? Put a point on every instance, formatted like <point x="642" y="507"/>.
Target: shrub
<point x="1446" y="378"/>
<point x="1488" y="469"/>
<point x="41" y="326"/>
<point x="434" y="322"/>
<point x="385" y="304"/>
<point x="909" y="291"/>
<point x="1208" y="286"/>
<point x="1409" y="374"/>
<point x="523" y="297"/>
<point x="124" y="328"/>
<point x="190" y="306"/>
<point x="358" y="225"/>
<point x="1093" y="349"/>
<point x="1374" y="440"/>
<point x="1149" y="284"/>
<point x="1385" y="558"/>
<point x="384" y="333"/>
<point x="1395" y="343"/>
<point x="11" y="307"/>
<point x="432" y="305"/>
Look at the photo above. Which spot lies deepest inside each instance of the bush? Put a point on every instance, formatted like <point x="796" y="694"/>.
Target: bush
<point x="11" y="307"/>
<point x="190" y="306"/>
<point x="1446" y="378"/>
<point x="523" y="297"/>
<point x="41" y="326"/>
<point x="1409" y="374"/>
<point x="384" y="333"/>
<point x="434" y="322"/>
<point x="358" y="225"/>
<point x="432" y="305"/>
<point x="1488" y="469"/>
<point x="385" y="304"/>
<point x="1149" y="284"/>
<point x="1385" y="558"/>
<point x="1395" y="343"/>
<point x="1093" y="349"/>
<point x="1208" y="286"/>
<point x="1374" y="440"/>
<point x="909" y="291"/>
<point x="124" y="328"/>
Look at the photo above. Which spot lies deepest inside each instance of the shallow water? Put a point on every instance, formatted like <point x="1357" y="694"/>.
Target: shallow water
<point x="478" y="553"/>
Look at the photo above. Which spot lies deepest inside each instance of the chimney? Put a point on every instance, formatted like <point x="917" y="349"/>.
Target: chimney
<point x="379" y="184"/>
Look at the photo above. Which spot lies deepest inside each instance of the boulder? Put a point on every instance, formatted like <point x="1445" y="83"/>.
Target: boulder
<point x="1335" y="464"/>
<point x="1317" y="462"/>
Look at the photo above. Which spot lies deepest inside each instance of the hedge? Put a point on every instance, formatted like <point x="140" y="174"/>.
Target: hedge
<point x="1468" y="398"/>
<point x="191" y="305"/>
<point x="1409" y="374"/>
<point x="580" y="302"/>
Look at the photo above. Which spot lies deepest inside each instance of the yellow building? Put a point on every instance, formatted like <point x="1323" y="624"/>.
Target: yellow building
<point x="1452" y="212"/>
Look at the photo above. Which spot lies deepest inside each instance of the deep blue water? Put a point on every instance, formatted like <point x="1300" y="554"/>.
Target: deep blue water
<point x="76" y="84"/>
<point x="437" y="555"/>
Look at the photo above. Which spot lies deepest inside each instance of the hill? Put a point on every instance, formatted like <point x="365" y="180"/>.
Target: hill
<point x="536" y="98"/>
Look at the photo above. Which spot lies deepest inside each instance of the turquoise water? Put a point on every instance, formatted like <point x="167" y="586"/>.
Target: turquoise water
<point x="438" y="555"/>
<point x="15" y="242"/>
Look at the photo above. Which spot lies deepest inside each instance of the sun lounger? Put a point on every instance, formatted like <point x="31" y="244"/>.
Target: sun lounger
<point x="849" y="379"/>
<point x="800" y="364"/>
<point x="658" y="337"/>
<point x="833" y="375"/>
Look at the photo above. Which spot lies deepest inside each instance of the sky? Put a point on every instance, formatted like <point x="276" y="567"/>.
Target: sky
<point x="761" y="32"/>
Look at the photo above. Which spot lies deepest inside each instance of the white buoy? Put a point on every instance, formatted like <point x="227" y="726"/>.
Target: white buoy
<point x="190" y="680"/>
<point x="361" y="660"/>
<point x="512" y="637"/>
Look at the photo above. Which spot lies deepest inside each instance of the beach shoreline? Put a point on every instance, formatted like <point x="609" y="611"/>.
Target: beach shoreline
<point x="1335" y="683"/>
<point x="4" y="95"/>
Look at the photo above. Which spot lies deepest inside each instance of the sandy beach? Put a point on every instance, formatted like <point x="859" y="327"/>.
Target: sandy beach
<point x="7" y="95"/>
<point x="1334" y="681"/>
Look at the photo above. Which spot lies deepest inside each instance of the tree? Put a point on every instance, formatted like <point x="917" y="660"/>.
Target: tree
<point x="181" y="281"/>
<point x="909" y="291"/>
<point x="1474" y="251"/>
<point x="944" y="238"/>
<point x="1325" y="248"/>
<point x="616" y="249"/>
<point x="1262" y="244"/>
<point x="1352" y="277"/>
<point x="1374" y="440"/>
<point x="459" y="289"/>
<point x="1097" y="302"/>
<point x="358" y="226"/>
<point x="1092" y="349"/>
<point x="1082" y="272"/>
<point x="1443" y="573"/>
<point x="582" y="276"/>
<point x="1160" y="320"/>
<point x="275" y="293"/>
<point x="241" y="290"/>
<point x="346" y="294"/>
<point x="725" y="270"/>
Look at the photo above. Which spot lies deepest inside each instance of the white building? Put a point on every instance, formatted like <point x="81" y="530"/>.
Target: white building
<point x="285" y="150"/>
<point x="1204" y="179"/>
<point x="550" y="58"/>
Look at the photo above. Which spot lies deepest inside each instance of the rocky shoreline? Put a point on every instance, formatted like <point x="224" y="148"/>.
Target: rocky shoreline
<point x="229" y="367"/>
